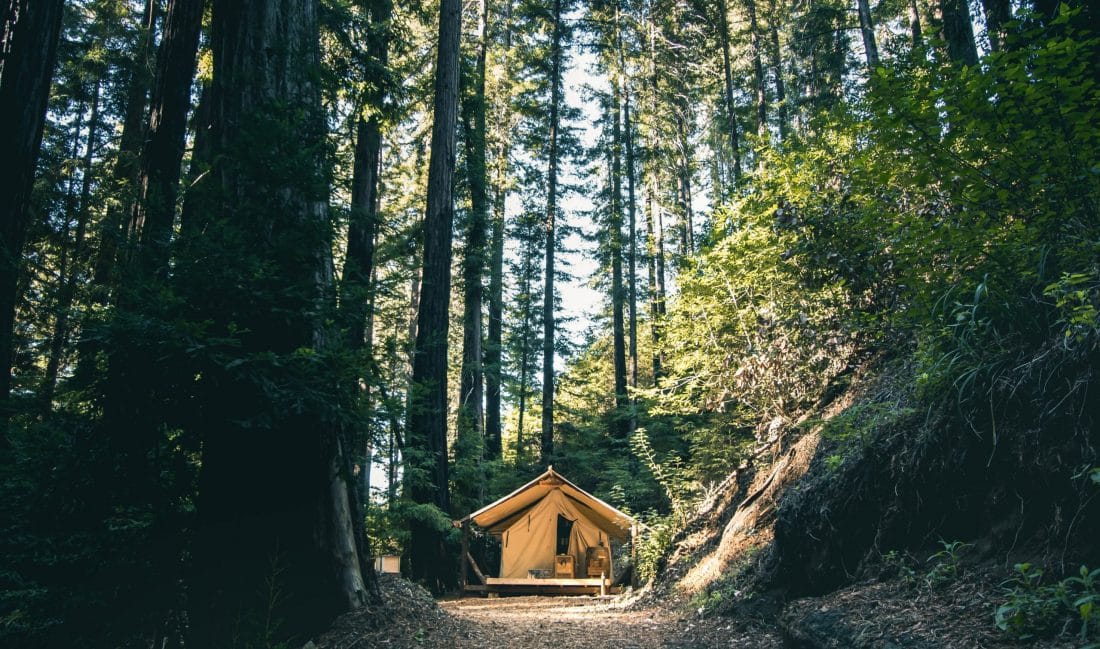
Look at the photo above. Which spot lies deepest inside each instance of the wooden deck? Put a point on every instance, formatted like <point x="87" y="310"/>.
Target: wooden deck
<point x="549" y="586"/>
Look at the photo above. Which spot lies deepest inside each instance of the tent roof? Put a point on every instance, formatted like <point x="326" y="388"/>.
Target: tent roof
<point x="508" y="507"/>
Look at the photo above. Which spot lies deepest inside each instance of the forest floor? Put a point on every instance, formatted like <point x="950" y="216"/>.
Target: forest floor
<point x="409" y="618"/>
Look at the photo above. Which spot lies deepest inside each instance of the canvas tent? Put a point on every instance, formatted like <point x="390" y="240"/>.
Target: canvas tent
<point x="546" y="517"/>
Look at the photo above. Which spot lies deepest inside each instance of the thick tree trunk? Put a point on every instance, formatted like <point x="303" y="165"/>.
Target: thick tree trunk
<point x="469" y="448"/>
<point x="426" y="439"/>
<point x="867" y="30"/>
<point x="155" y="211"/>
<point x="548" y="348"/>
<point x="958" y="33"/>
<point x="273" y="513"/>
<point x="30" y="32"/>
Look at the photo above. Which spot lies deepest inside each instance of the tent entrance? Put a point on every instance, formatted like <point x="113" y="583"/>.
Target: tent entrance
<point x="565" y="531"/>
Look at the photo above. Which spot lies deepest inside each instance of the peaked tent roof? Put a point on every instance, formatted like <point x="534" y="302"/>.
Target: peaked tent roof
<point x="497" y="515"/>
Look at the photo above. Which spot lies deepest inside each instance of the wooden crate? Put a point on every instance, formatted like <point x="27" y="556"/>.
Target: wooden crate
<point x="563" y="565"/>
<point x="598" y="561"/>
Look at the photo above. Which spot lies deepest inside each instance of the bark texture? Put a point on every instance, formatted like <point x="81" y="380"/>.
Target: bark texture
<point x="426" y="441"/>
<point x="274" y="535"/>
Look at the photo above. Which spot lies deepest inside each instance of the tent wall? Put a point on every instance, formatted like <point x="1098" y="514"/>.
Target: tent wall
<point x="530" y="541"/>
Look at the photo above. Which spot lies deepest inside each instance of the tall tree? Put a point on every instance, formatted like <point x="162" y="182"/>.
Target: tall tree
<point x="867" y="30"/>
<point x="357" y="290"/>
<point x="494" y="341"/>
<point x="28" y="41"/>
<point x="958" y="32"/>
<point x="162" y="155"/>
<point x="551" y="235"/>
<point x="728" y="89"/>
<point x="469" y="448"/>
<point x="272" y="504"/>
<point x="615" y="242"/>
<point x="757" y="69"/>
<point x="426" y="438"/>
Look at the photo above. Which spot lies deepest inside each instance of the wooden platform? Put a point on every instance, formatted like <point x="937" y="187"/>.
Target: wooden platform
<point x="557" y="586"/>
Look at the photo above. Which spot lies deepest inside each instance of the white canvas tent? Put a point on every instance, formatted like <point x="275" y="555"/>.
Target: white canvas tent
<point x="529" y="522"/>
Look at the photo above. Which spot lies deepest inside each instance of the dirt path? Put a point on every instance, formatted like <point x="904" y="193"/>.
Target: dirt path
<point x="408" y="618"/>
<point x="587" y="623"/>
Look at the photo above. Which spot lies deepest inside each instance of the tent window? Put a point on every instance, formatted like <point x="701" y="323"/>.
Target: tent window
<point x="565" y="529"/>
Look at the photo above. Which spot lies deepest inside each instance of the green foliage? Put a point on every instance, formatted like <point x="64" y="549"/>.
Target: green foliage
<point x="1033" y="609"/>
<point x="654" y="546"/>
<point x="945" y="564"/>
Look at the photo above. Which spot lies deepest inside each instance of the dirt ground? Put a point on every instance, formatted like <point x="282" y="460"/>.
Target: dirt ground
<point x="410" y="619"/>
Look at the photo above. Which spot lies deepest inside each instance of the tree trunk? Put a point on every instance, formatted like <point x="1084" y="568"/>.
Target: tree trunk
<point x="757" y="71"/>
<point x="632" y="247"/>
<point x="494" y="343"/>
<point x="867" y="30"/>
<point x="619" y="419"/>
<point x="914" y="25"/>
<point x="357" y="283"/>
<point x="958" y="33"/>
<point x="777" y="68"/>
<point x="997" y="15"/>
<point x="31" y="30"/>
<point x="165" y="136"/>
<point x="469" y="447"/>
<point x="548" y="348"/>
<point x="273" y="512"/>
<point x="727" y="72"/>
<point x="426" y="438"/>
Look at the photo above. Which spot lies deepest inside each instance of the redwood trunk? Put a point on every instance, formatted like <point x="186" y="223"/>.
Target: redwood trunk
<point x="426" y="473"/>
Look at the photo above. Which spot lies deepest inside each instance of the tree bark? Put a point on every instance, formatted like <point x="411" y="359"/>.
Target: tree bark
<point x="619" y="420"/>
<point x="426" y="439"/>
<point x="958" y="33"/>
<point x="632" y="247"/>
<point x="357" y="283"/>
<point x="30" y="34"/>
<point x="155" y="211"/>
<point x="914" y="25"/>
<point x="548" y="347"/>
<point x="867" y="30"/>
<point x="495" y="341"/>
<point x="273" y="513"/>
<point x="470" y="445"/>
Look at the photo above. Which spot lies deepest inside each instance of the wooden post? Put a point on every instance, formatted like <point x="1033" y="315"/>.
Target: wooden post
<point x="603" y="584"/>
<point x="465" y="554"/>
<point x="634" y="555"/>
